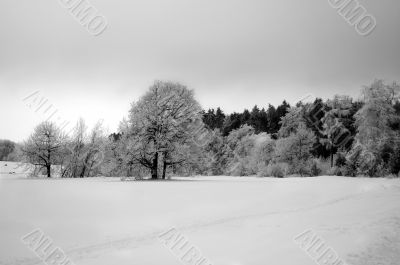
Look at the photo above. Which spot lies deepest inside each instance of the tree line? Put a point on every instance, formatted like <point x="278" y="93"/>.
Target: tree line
<point x="167" y="133"/>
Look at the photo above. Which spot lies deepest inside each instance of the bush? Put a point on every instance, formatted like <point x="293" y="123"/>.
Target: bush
<point x="277" y="170"/>
<point x="339" y="171"/>
<point x="394" y="162"/>
<point x="340" y="159"/>
<point x="315" y="169"/>
<point x="392" y="176"/>
<point x="324" y="166"/>
<point x="301" y="167"/>
<point x="345" y="171"/>
<point x="262" y="171"/>
<point x="332" y="171"/>
<point x="352" y="159"/>
<point x="361" y="161"/>
<point x="238" y="169"/>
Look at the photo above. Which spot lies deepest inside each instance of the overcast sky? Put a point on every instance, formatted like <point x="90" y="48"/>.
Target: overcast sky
<point x="234" y="53"/>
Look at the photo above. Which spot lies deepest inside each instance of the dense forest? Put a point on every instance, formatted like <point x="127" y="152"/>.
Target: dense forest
<point x="168" y="133"/>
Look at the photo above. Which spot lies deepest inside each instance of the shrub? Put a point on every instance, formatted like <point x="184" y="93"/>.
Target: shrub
<point x="277" y="170"/>
<point x="332" y="171"/>
<point x="239" y="169"/>
<point x="264" y="152"/>
<point x="345" y="171"/>
<point x="394" y="161"/>
<point x="352" y="159"/>
<point x="340" y="171"/>
<point x="262" y="171"/>
<point x="315" y="169"/>
<point x="301" y="167"/>
<point x="340" y="159"/>
<point x="324" y="166"/>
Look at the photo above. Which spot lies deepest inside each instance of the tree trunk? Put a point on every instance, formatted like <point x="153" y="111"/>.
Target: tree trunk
<point x="154" y="169"/>
<point x="83" y="172"/>
<point x="164" y="169"/>
<point x="331" y="157"/>
<point x="82" y="175"/>
<point x="48" y="168"/>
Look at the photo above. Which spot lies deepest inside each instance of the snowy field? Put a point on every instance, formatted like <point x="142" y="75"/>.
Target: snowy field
<point x="232" y="221"/>
<point x="14" y="169"/>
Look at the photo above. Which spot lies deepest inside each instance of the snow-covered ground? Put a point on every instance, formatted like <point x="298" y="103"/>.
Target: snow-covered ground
<point x="15" y="169"/>
<point x="233" y="221"/>
<point x="23" y="170"/>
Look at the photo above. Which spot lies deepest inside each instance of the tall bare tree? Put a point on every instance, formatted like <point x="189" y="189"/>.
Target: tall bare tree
<point x="94" y="151"/>
<point x="76" y="148"/>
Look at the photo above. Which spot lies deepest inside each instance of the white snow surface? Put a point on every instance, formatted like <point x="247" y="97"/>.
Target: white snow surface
<point x="231" y="220"/>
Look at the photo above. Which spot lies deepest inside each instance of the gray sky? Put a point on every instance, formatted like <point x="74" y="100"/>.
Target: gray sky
<point x="234" y="53"/>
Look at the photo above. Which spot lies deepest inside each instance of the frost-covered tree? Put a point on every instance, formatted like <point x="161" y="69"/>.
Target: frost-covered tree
<point x="94" y="151"/>
<point x="374" y="134"/>
<point x="44" y="147"/>
<point x="373" y="118"/>
<point x="113" y="163"/>
<point x="291" y="121"/>
<point x="214" y="154"/>
<point x="296" y="149"/>
<point x="84" y="151"/>
<point x="76" y="148"/>
<point x="264" y="152"/>
<point x="240" y="151"/>
<point x="166" y="116"/>
<point x="335" y="134"/>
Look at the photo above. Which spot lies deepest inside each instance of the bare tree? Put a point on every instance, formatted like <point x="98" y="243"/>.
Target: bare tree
<point x="76" y="149"/>
<point x="44" y="146"/>
<point x="94" y="151"/>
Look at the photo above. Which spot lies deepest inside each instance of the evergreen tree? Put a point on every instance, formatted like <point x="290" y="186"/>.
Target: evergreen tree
<point x="231" y="122"/>
<point x="219" y="119"/>
<point x="273" y="120"/>
<point x="335" y="134"/>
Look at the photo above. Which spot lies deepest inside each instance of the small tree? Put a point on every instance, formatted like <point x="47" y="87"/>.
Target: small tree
<point x="264" y="152"/>
<point x="214" y="154"/>
<point x="94" y="151"/>
<point x="296" y="149"/>
<point x="238" y="147"/>
<point x="76" y="147"/>
<point x="291" y="121"/>
<point x="84" y="151"/>
<point x="370" y="151"/>
<point x="334" y="132"/>
<point x="44" y="146"/>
